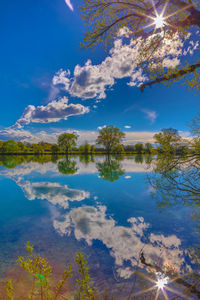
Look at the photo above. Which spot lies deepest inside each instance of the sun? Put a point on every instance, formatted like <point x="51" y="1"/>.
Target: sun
<point x="161" y="280"/>
<point x="159" y="21"/>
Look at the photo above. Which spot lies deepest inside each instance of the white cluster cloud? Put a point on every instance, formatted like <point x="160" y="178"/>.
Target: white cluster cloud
<point x="127" y="126"/>
<point x="61" y="77"/>
<point x="91" y="81"/>
<point x="125" y="243"/>
<point x="54" y="111"/>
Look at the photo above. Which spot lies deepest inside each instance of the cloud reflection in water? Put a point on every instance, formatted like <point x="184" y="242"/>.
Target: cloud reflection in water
<point x="125" y="243"/>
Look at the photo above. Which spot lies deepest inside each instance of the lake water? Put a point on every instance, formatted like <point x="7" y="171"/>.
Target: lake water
<point x="101" y="208"/>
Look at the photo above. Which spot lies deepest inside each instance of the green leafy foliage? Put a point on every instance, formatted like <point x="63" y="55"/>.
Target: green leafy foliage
<point x="110" y="137"/>
<point x="9" y="146"/>
<point x="136" y="19"/>
<point x="40" y="273"/>
<point x="118" y="149"/>
<point x="85" y="148"/>
<point x="55" y="149"/>
<point x="66" y="141"/>
<point x="85" y="288"/>
<point x="139" y="148"/>
<point x="168" y="140"/>
<point x="9" y="290"/>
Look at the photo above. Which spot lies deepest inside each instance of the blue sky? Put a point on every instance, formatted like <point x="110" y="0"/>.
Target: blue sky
<point x="42" y="96"/>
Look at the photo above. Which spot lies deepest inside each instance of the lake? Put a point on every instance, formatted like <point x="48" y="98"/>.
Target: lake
<point x="99" y="206"/>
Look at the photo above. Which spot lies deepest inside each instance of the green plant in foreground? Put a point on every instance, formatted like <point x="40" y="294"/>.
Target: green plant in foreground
<point x="40" y="272"/>
<point x="9" y="289"/>
<point x="43" y="288"/>
<point x="85" y="289"/>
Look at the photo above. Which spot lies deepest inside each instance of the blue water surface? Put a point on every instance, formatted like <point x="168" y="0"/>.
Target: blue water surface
<point x="111" y="218"/>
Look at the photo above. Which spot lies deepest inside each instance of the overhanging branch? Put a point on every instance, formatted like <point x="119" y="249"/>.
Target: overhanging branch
<point x="175" y="75"/>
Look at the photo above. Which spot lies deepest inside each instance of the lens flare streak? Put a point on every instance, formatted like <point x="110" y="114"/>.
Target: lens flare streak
<point x="159" y="20"/>
<point x="160" y="285"/>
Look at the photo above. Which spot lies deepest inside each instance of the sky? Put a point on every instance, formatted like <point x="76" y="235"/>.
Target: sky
<point x="50" y="85"/>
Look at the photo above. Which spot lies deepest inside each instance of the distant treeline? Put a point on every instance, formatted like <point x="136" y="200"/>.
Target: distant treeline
<point x="109" y="141"/>
<point x="13" y="147"/>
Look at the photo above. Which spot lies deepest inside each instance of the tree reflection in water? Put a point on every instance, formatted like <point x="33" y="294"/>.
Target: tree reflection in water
<point x="139" y="158"/>
<point x="67" y="166"/>
<point x="176" y="180"/>
<point x="86" y="159"/>
<point x="11" y="161"/>
<point x="110" y="169"/>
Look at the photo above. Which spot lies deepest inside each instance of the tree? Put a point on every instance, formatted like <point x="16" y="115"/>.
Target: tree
<point x="129" y="148"/>
<point x="85" y="148"/>
<point x="9" y="146"/>
<point x="139" y="148"/>
<point x="168" y="140"/>
<point x="110" y="137"/>
<point x="92" y="149"/>
<point x="118" y="149"/>
<point x="45" y="146"/>
<point x="195" y="125"/>
<point x="21" y="147"/>
<point x="196" y="145"/>
<point x="195" y="130"/>
<point x="55" y="148"/>
<point x="148" y="148"/>
<point x="106" y="18"/>
<point x="37" y="148"/>
<point x="66" y="141"/>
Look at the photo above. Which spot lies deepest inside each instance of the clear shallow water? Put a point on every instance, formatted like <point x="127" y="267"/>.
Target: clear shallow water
<point x="100" y="208"/>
